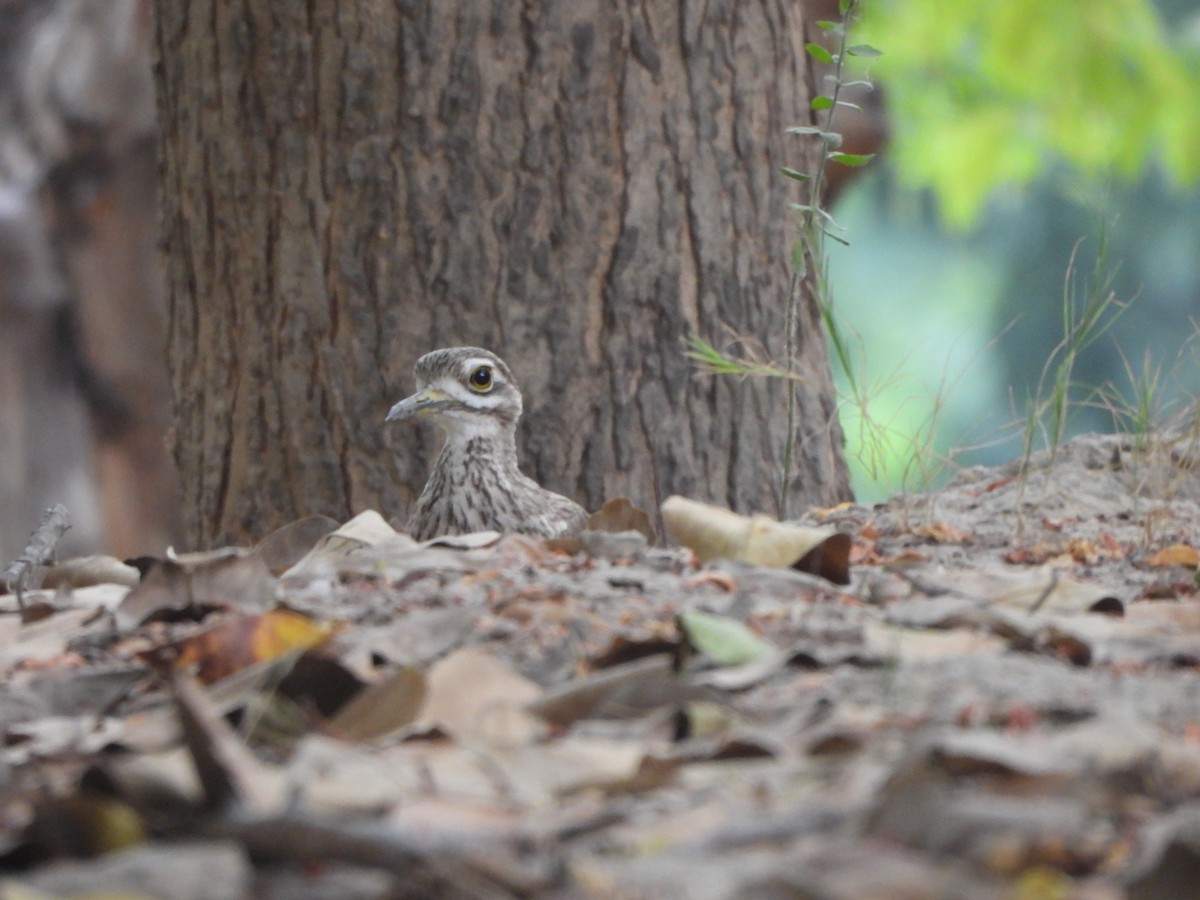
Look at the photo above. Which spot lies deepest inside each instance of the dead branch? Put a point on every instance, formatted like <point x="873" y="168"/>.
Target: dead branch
<point x="38" y="552"/>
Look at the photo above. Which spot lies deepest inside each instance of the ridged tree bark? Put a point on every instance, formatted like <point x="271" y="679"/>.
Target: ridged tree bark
<point x="577" y="186"/>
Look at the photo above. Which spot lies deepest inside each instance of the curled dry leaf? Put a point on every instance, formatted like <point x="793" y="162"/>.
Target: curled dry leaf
<point x="366" y="530"/>
<point x="188" y="585"/>
<point x="86" y="571"/>
<point x="717" y="533"/>
<point x="290" y="543"/>
<point x="619" y="515"/>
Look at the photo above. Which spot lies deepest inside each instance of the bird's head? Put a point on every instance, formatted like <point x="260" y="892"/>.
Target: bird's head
<point x="465" y="390"/>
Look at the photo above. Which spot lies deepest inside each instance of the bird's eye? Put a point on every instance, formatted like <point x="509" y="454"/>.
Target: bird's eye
<point x="481" y="379"/>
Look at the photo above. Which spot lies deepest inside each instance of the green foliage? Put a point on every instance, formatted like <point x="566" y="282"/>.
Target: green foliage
<point x="984" y="94"/>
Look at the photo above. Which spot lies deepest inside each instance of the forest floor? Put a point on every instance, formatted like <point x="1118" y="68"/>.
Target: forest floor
<point x="1003" y="701"/>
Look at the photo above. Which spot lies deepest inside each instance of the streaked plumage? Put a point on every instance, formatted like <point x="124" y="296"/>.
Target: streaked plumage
<point x="476" y="484"/>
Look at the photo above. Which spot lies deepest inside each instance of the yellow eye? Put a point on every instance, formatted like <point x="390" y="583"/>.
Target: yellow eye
<point x="481" y="379"/>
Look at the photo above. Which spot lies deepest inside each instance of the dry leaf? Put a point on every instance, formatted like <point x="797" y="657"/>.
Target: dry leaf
<point x="942" y="533"/>
<point x="241" y="641"/>
<point x="471" y="693"/>
<point x="193" y="584"/>
<point x="619" y="515"/>
<point x="366" y="530"/>
<point x="1175" y="555"/>
<point x="892" y="642"/>
<point x="382" y="708"/>
<point x="717" y="533"/>
<point x="290" y="543"/>
<point x="627" y="690"/>
<point x="86" y="571"/>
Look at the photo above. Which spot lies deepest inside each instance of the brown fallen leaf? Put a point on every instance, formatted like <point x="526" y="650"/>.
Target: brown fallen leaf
<point x="240" y="641"/>
<point x="628" y="690"/>
<point x="1175" y="555"/>
<point x="382" y="708"/>
<point x="942" y="533"/>
<point x="619" y="515"/>
<point x="714" y="533"/>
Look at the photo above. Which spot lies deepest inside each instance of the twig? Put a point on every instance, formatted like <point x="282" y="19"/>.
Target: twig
<point x="1045" y="595"/>
<point x="441" y="866"/>
<point x="39" y="551"/>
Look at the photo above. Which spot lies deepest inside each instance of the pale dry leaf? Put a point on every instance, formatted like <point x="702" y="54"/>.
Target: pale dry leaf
<point x="290" y="543"/>
<point x="365" y="531"/>
<point x="714" y="532"/>
<point x="537" y="774"/>
<point x="337" y="778"/>
<point x="191" y="584"/>
<point x="470" y="693"/>
<point x="894" y="642"/>
<point x="1044" y="589"/>
<point x="85" y="571"/>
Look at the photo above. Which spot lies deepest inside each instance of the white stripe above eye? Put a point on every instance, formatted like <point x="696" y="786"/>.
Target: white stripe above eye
<point x="473" y="364"/>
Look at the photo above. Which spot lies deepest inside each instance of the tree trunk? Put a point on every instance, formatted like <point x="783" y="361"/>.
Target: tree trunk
<point x="84" y="397"/>
<point x="576" y="186"/>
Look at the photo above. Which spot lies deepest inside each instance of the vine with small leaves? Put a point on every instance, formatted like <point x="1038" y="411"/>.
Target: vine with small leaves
<point x="808" y="251"/>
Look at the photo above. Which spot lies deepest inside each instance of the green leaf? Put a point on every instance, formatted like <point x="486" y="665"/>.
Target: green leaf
<point x="826" y="25"/>
<point x="816" y="51"/>
<point x="851" y="159"/>
<point x="849" y="105"/>
<point x="792" y="173"/>
<point x="821" y="102"/>
<point x="722" y="639"/>
<point x="864" y="50"/>
<point x="844" y="6"/>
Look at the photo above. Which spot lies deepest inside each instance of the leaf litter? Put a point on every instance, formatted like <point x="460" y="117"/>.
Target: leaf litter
<point x="989" y="691"/>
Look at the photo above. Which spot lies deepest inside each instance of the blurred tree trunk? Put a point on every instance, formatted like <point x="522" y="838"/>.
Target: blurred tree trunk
<point x="577" y="186"/>
<point x="85" y="401"/>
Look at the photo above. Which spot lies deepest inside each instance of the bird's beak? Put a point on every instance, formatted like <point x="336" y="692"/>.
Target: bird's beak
<point x="422" y="401"/>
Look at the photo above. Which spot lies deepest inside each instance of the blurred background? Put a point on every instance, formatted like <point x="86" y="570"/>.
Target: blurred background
<point x="1012" y="138"/>
<point x="1022" y="135"/>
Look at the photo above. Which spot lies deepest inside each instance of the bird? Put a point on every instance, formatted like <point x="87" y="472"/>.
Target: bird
<point x="476" y="483"/>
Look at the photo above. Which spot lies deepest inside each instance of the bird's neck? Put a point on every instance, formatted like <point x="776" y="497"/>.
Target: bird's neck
<point x="491" y="450"/>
